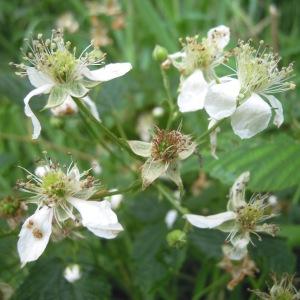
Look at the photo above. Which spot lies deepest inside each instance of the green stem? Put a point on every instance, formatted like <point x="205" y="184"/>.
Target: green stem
<point x="122" y="144"/>
<point x="209" y="131"/>
<point x="166" y="85"/>
<point x="165" y="192"/>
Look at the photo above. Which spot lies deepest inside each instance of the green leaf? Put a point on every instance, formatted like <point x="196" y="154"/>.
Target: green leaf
<point x="45" y="281"/>
<point x="273" y="254"/>
<point x="273" y="165"/>
<point x="58" y="95"/>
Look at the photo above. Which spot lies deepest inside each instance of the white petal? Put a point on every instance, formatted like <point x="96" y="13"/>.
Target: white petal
<point x="140" y="148"/>
<point x="221" y="98"/>
<point x="174" y="174"/>
<point x="74" y="173"/>
<point x="72" y="273"/>
<point x="237" y="192"/>
<point x="252" y="117"/>
<point x="37" y="78"/>
<point x="108" y="72"/>
<point x="192" y="94"/>
<point x="151" y="170"/>
<point x="238" y="250"/>
<point x="219" y="35"/>
<point x="98" y="217"/>
<point x="41" y="171"/>
<point x="277" y="106"/>
<point x="35" y="234"/>
<point x="29" y="113"/>
<point x="188" y="151"/>
<point x="93" y="108"/>
<point x="210" y="221"/>
<point x="171" y="217"/>
<point x="177" y="59"/>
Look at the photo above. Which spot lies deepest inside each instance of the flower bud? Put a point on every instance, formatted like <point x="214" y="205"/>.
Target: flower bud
<point x="176" y="238"/>
<point x="160" y="53"/>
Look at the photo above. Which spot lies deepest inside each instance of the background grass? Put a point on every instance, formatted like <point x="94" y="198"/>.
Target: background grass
<point x="140" y="264"/>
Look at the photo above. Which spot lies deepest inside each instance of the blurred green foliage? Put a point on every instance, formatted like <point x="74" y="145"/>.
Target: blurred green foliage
<point x="139" y="264"/>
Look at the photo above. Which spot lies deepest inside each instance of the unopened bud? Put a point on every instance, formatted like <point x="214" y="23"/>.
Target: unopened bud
<point x="176" y="238"/>
<point x="160" y="53"/>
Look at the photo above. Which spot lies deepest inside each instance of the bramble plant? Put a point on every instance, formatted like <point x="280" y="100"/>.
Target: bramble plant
<point x="180" y="228"/>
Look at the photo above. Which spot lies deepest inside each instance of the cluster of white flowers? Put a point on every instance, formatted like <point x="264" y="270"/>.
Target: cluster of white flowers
<point x="246" y="97"/>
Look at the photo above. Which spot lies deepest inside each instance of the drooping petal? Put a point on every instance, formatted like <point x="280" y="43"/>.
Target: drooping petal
<point x="34" y="235"/>
<point x="238" y="250"/>
<point x="93" y="108"/>
<point x="173" y="173"/>
<point x="220" y="36"/>
<point x="192" y="94"/>
<point x="237" y="192"/>
<point x="140" y="148"/>
<point x="221" y="98"/>
<point x="251" y="117"/>
<point x="210" y="221"/>
<point x="108" y="72"/>
<point x="98" y="217"/>
<point x="177" y="59"/>
<point x="38" y="78"/>
<point x="151" y="170"/>
<point x="277" y="106"/>
<point x="29" y="113"/>
<point x="188" y="150"/>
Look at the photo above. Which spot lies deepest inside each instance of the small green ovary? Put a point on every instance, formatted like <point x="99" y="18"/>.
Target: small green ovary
<point x="55" y="184"/>
<point x="60" y="65"/>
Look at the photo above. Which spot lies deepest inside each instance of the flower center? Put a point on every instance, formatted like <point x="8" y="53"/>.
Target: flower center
<point x="166" y="145"/>
<point x="249" y="216"/>
<point x="55" y="185"/>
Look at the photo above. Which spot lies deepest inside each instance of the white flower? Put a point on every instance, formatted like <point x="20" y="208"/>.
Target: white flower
<point x="164" y="152"/>
<point x="72" y="273"/>
<point x="56" y="193"/>
<point x="248" y="100"/>
<point x="53" y="69"/>
<point x="240" y="220"/>
<point x="196" y="64"/>
<point x="171" y="217"/>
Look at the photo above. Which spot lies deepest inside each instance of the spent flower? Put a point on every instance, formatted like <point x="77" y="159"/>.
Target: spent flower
<point x="53" y="68"/>
<point x="196" y="63"/>
<point x="248" y="99"/>
<point x="163" y="155"/>
<point x="56" y="193"/>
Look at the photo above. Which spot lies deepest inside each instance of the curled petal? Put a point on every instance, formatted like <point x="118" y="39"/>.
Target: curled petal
<point x="108" y="72"/>
<point x="34" y="235"/>
<point x="252" y="117"/>
<point x="220" y="36"/>
<point x="210" y="221"/>
<point x="237" y="192"/>
<point x="151" y="170"/>
<point x="221" y="98"/>
<point x="140" y="148"/>
<point x="189" y="149"/>
<point x="93" y="108"/>
<point x="29" y="113"/>
<point x="277" y="106"/>
<point x="38" y="78"/>
<point x="192" y="92"/>
<point x="98" y="217"/>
